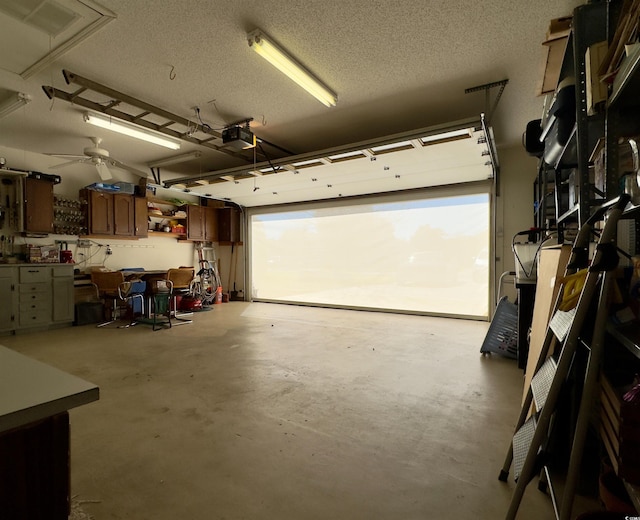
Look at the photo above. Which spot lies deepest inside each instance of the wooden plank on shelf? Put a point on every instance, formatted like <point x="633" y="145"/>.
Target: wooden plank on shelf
<point x="626" y="28"/>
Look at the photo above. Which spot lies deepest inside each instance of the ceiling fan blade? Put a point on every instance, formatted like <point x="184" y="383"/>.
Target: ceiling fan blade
<point x="66" y="155"/>
<point x="103" y="171"/>
<point x="127" y="168"/>
<point x="62" y="165"/>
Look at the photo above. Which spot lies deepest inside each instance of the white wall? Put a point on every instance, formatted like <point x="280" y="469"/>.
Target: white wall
<point x="514" y="208"/>
<point x="151" y="253"/>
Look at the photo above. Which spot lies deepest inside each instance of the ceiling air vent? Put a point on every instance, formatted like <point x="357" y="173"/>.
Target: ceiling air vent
<point x="48" y="16"/>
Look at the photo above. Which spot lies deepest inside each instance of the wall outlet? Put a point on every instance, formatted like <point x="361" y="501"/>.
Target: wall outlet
<point x="84" y="243"/>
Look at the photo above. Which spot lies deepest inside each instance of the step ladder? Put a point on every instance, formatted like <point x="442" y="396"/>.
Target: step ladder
<point x="534" y="429"/>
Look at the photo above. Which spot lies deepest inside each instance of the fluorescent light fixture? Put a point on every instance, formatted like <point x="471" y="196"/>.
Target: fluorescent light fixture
<point x="175" y="159"/>
<point x="13" y="103"/>
<point x="132" y="130"/>
<point x="463" y="133"/>
<point x="280" y="59"/>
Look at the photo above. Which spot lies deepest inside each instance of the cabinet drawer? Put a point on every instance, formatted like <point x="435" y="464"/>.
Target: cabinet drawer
<point x="32" y="305"/>
<point x="62" y="271"/>
<point x="35" y="317"/>
<point x="38" y="290"/>
<point x="7" y="272"/>
<point x="35" y="274"/>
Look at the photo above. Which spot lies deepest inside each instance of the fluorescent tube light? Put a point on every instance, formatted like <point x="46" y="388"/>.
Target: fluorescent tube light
<point x="280" y="59"/>
<point x="176" y="159"/>
<point x="132" y="130"/>
<point x="13" y="103"/>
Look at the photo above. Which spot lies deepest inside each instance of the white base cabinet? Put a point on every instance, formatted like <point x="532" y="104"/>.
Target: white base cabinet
<point x="36" y="296"/>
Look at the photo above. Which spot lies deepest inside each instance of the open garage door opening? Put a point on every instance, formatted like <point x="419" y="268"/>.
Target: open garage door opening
<point x="426" y="254"/>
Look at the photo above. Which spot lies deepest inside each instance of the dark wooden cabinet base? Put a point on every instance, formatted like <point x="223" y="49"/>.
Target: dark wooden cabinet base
<point x="34" y="471"/>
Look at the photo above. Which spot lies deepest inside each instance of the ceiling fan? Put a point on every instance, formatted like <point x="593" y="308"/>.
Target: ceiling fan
<point x="100" y="158"/>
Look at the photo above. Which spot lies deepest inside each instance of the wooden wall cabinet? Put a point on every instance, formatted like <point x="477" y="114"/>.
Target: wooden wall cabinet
<point x="140" y="217"/>
<point x="123" y="215"/>
<point x="38" y="205"/>
<point x="228" y="224"/>
<point x="117" y="214"/>
<point x="99" y="212"/>
<point x="196" y="223"/>
<point x="211" y="224"/>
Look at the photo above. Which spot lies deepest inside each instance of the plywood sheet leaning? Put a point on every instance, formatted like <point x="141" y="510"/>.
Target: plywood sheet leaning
<point x="551" y="267"/>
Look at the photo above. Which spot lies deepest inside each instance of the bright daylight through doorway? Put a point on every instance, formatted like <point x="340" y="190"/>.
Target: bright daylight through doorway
<point x="428" y="255"/>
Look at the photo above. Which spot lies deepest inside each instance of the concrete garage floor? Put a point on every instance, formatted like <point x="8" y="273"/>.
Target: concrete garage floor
<point x="263" y="411"/>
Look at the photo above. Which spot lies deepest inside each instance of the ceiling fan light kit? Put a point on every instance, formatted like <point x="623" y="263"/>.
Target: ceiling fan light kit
<point x="286" y="64"/>
<point x="131" y="130"/>
<point x="100" y="158"/>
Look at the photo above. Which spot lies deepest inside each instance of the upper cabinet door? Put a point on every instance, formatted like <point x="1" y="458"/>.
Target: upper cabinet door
<point x="210" y="224"/>
<point x="195" y="223"/>
<point x="141" y="217"/>
<point x="38" y="205"/>
<point x="123" y="215"/>
<point x="228" y="224"/>
<point x="100" y="209"/>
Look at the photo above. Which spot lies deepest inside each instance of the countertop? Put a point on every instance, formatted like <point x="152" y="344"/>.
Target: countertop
<point x="31" y="390"/>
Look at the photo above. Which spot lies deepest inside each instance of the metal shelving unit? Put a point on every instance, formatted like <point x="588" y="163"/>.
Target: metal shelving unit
<point x="588" y="27"/>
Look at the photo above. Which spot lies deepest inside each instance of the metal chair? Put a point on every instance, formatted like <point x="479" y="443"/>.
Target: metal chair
<point x="160" y="296"/>
<point x="182" y="280"/>
<point x="114" y="290"/>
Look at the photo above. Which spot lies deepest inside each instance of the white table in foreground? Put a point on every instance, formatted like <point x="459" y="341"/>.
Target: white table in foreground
<point x="35" y="467"/>
<point x="31" y="390"/>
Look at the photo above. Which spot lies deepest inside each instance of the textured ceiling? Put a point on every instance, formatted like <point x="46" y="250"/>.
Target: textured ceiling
<point x="396" y="66"/>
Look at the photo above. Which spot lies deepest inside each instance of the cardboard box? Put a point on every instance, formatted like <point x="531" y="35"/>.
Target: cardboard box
<point x="43" y="254"/>
<point x="554" y="49"/>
